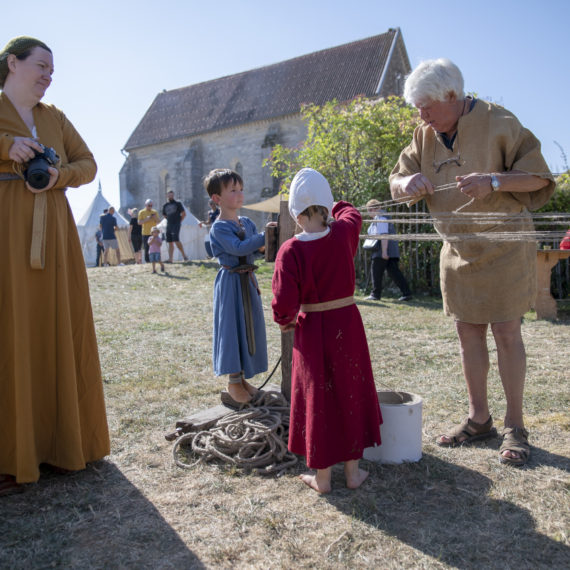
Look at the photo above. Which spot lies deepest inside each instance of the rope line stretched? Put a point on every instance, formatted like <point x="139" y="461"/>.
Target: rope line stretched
<point x="452" y="185"/>
<point x="458" y="217"/>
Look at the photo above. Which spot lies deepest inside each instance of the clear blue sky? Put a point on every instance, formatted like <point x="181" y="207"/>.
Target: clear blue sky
<point x="113" y="57"/>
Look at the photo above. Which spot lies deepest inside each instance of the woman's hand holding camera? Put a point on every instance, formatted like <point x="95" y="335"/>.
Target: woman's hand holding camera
<point x="23" y="149"/>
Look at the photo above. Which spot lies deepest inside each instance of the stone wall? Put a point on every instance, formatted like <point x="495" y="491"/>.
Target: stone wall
<point x="149" y="172"/>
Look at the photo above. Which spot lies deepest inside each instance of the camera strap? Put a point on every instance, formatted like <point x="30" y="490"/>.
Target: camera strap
<point x="38" y="248"/>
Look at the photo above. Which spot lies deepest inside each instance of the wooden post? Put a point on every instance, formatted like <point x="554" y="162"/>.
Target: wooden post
<point x="545" y="305"/>
<point x="286" y="230"/>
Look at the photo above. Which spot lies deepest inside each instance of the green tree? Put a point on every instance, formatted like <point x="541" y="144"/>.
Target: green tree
<point x="354" y="145"/>
<point x="560" y="200"/>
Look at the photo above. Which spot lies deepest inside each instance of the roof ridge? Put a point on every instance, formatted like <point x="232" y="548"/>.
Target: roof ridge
<point x="267" y="92"/>
<point x="277" y="63"/>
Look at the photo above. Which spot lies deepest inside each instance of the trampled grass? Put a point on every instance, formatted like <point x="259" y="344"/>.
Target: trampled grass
<point x="456" y="508"/>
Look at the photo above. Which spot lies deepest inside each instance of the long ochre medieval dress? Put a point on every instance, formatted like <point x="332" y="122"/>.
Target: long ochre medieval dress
<point x="334" y="405"/>
<point x="51" y="393"/>
<point x="483" y="280"/>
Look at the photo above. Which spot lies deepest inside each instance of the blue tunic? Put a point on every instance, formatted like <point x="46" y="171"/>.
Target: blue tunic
<point x="230" y="351"/>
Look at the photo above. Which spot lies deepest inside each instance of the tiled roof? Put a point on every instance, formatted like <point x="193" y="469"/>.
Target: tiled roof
<point x="276" y="90"/>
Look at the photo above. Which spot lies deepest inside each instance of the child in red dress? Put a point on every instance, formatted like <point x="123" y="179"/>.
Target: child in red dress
<point x="334" y="404"/>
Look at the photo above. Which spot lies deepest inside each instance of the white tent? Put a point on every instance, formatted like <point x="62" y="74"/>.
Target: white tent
<point x="89" y="224"/>
<point x="191" y="237"/>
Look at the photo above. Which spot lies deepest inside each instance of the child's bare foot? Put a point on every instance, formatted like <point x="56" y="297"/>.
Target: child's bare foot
<point x="239" y="393"/>
<point x="319" y="481"/>
<point x="355" y="481"/>
<point x="251" y="390"/>
<point x="354" y="475"/>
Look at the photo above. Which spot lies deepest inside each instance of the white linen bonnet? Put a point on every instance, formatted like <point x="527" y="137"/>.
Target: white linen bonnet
<point x="309" y="188"/>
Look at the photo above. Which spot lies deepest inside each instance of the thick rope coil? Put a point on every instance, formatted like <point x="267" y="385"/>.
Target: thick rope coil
<point x="252" y="438"/>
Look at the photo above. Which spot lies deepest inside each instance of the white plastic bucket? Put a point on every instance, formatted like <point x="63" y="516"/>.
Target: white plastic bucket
<point x="401" y="430"/>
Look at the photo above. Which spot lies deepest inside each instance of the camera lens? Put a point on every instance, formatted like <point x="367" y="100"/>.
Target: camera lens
<point x="37" y="175"/>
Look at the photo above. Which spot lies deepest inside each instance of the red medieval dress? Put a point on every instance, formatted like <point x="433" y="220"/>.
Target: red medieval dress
<point x="334" y="406"/>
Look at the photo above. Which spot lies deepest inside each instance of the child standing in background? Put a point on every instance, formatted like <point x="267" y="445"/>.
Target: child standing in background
<point x="154" y="243"/>
<point x="239" y="343"/>
<point x="334" y="405"/>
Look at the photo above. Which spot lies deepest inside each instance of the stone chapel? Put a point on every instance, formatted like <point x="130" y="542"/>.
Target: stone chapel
<point x="234" y="121"/>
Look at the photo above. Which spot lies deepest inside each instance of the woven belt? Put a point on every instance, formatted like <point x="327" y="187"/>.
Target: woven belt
<point x="38" y="247"/>
<point x="9" y="176"/>
<point x="327" y="305"/>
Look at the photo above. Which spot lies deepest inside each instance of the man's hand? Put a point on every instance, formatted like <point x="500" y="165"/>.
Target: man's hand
<point x="416" y="185"/>
<point x="475" y="185"/>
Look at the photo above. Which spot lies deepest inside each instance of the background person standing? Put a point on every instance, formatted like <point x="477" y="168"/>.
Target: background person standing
<point x="148" y="218"/>
<point x="108" y="225"/>
<point x="386" y="257"/>
<point x="212" y="215"/>
<point x="100" y="248"/>
<point x="135" y="234"/>
<point x="174" y="213"/>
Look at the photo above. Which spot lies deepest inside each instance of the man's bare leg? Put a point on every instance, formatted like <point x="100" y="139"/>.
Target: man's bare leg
<point x="475" y="362"/>
<point x="181" y="249"/>
<point x="511" y="358"/>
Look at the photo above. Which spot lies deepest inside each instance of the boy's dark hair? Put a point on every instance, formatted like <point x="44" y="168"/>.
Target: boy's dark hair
<point x="219" y="178"/>
<point x="316" y="211"/>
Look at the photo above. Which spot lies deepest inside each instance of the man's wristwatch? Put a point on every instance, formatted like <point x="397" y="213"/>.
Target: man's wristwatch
<point x="495" y="184"/>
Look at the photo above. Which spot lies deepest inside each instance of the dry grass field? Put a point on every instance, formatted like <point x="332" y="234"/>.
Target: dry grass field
<point x="456" y="508"/>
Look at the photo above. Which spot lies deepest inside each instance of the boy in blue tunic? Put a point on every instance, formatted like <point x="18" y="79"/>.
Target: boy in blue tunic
<point x="239" y="344"/>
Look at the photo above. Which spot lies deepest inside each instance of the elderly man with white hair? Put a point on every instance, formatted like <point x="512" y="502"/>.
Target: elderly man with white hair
<point x="480" y="171"/>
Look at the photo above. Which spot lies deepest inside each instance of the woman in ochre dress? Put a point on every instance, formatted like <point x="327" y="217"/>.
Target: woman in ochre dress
<point x="51" y="394"/>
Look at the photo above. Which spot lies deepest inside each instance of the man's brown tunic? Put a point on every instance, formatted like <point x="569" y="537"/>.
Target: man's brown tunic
<point x="482" y="280"/>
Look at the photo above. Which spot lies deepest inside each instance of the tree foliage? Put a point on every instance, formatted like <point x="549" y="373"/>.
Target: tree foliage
<point x="354" y="145"/>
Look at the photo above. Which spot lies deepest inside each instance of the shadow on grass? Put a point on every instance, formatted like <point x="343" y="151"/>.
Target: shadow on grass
<point x="208" y="263"/>
<point x="369" y="303"/>
<point x="94" y="518"/>
<point x="542" y="458"/>
<point x="538" y="457"/>
<point x="170" y="276"/>
<point x="430" y="303"/>
<point x="446" y="512"/>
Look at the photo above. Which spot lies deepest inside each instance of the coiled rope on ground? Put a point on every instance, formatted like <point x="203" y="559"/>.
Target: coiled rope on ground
<point x="253" y="438"/>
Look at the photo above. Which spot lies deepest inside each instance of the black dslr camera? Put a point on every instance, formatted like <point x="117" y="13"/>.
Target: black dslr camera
<point x="37" y="175"/>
